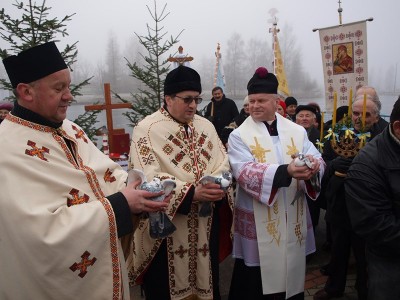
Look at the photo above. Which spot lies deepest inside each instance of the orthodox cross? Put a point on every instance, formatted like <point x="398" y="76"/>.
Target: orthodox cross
<point x="218" y="55"/>
<point x="340" y="10"/>
<point x="180" y="59"/>
<point x="108" y="107"/>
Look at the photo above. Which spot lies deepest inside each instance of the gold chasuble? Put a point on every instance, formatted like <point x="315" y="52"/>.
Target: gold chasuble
<point x="58" y="235"/>
<point x="281" y="227"/>
<point x="163" y="148"/>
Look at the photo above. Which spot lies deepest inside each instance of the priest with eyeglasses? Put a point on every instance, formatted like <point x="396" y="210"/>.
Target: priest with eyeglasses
<point x="176" y="143"/>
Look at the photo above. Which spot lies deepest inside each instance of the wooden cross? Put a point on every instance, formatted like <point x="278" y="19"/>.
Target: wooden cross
<point x="180" y="58"/>
<point x="108" y="107"/>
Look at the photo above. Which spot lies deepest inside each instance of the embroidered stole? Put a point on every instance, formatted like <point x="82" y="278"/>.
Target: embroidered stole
<point x="281" y="227"/>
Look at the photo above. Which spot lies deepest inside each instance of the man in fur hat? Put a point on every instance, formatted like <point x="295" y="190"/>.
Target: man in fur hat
<point x="270" y="209"/>
<point x="178" y="144"/>
<point x="61" y="209"/>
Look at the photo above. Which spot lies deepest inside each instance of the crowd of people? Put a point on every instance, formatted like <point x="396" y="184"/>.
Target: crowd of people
<point x="78" y="229"/>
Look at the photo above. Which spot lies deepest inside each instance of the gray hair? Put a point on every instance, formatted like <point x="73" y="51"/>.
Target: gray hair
<point x="374" y="99"/>
<point x="370" y="96"/>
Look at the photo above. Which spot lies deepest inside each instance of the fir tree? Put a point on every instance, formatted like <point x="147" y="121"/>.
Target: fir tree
<point x="35" y="27"/>
<point x="153" y="70"/>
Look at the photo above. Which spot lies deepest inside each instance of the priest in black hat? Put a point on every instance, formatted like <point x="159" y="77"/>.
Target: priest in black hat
<point x="61" y="209"/>
<point x="271" y="232"/>
<point x="176" y="143"/>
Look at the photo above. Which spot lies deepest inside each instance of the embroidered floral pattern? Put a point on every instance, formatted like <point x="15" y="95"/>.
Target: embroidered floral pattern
<point x="251" y="178"/>
<point x="245" y="224"/>
<point x="167" y="149"/>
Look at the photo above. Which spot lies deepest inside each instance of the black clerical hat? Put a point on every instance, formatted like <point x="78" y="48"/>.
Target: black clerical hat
<point x="34" y="63"/>
<point x="181" y="79"/>
<point x="262" y="82"/>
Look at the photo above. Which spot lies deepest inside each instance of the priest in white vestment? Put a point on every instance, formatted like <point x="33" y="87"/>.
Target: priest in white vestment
<point x="270" y="215"/>
<point x="61" y="212"/>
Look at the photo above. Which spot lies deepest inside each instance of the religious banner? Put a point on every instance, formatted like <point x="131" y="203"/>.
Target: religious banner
<point x="344" y="59"/>
<point x="219" y="75"/>
<point x="279" y="68"/>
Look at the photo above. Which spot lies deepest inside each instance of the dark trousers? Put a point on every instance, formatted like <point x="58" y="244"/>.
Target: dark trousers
<point x="156" y="278"/>
<point x="384" y="277"/>
<point x="246" y="284"/>
<point x="343" y="240"/>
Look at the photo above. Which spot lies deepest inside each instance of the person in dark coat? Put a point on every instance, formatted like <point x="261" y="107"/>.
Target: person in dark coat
<point x="373" y="203"/>
<point x="291" y="105"/>
<point x="343" y="237"/>
<point x="221" y="110"/>
<point x="236" y="122"/>
<point x="306" y="117"/>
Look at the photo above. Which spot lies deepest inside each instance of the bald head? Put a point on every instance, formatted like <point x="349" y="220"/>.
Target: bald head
<point x="371" y="95"/>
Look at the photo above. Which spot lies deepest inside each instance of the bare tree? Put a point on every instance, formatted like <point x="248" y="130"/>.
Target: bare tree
<point x="259" y="53"/>
<point x="206" y="69"/>
<point x="300" y="83"/>
<point x="113" y="62"/>
<point x="236" y="58"/>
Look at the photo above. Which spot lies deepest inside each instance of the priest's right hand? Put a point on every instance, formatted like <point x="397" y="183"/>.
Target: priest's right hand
<point x="138" y="200"/>
<point x="208" y="192"/>
<point x="299" y="172"/>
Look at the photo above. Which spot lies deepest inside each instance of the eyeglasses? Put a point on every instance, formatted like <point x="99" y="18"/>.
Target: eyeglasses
<point x="189" y="99"/>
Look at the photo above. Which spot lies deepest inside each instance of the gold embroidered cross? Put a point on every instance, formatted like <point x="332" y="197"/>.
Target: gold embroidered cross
<point x="84" y="264"/>
<point x="258" y="151"/>
<point x="292" y="150"/>
<point x="35" y="151"/>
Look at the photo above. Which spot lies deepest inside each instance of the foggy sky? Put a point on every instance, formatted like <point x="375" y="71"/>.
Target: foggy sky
<point x="207" y="22"/>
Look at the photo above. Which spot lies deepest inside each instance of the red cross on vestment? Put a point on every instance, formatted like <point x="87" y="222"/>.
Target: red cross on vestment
<point x="76" y="199"/>
<point x="35" y="151"/>
<point x="84" y="264"/>
<point x="204" y="250"/>
<point x="181" y="251"/>
<point x="108" y="176"/>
